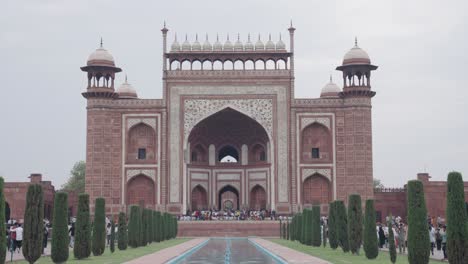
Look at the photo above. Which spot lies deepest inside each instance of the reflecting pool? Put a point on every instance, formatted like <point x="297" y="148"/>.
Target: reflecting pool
<point x="228" y="250"/>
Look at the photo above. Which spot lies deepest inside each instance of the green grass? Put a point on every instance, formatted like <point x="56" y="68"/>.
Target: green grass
<point x="118" y="256"/>
<point x="337" y="256"/>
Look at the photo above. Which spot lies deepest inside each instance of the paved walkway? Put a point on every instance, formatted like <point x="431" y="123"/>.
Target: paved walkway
<point x="438" y="254"/>
<point x="290" y="255"/>
<point x="19" y="255"/>
<point x="167" y="254"/>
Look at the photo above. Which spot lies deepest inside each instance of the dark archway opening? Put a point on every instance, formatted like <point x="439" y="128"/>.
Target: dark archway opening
<point x="228" y="198"/>
<point x="199" y="198"/>
<point x="228" y="154"/>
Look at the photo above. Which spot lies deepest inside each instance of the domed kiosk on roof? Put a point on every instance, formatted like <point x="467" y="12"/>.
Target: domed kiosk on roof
<point x="126" y="91"/>
<point x="330" y="90"/>
<point x="356" y="55"/>
<point x="100" y="57"/>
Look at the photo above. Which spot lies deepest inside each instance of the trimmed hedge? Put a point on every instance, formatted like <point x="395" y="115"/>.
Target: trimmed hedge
<point x="99" y="227"/>
<point x="82" y="246"/>
<point x="457" y="225"/>
<point x="60" y="240"/>
<point x="342" y="226"/>
<point x="3" y="242"/>
<point x="418" y="235"/>
<point x="355" y="223"/>
<point x="371" y="246"/>
<point x="122" y="234"/>
<point x="112" y="238"/>
<point x="315" y="226"/>
<point x="332" y="228"/>
<point x="158" y="227"/>
<point x="134" y="227"/>
<point x="33" y="222"/>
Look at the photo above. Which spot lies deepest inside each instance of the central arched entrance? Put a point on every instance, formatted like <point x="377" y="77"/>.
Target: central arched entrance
<point x="228" y="148"/>
<point x="228" y="198"/>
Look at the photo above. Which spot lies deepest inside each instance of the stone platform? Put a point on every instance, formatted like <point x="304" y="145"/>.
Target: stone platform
<point x="228" y="228"/>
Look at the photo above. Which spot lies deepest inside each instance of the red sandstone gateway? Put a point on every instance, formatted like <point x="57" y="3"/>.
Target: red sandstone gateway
<point x="228" y="132"/>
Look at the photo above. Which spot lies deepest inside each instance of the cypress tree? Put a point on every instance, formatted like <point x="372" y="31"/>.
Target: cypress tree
<point x="371" y="247"/>
<point x="324" y="234"/>
<point x="134" y="227"/>
<point x="112" y="238"/>
<point x="457" y="225"/>
<point x="391" y="243"/>
<point x="158" y="226"/>
<point x="176" y="227"/>
<point x="332" y="226"/>
<point x="299" y="228"/>
<point x="418" y="235"/>
<point x="281" y="229"/>
<point x="291" y="228"/>
<point x="149" y="223"/>
<point x="82" y="246"/>
<point x="355" y="223"/>
<point x="33" y="222"/>
<point x="145" y="226"/>
<point x="122" y="234"/>
<point x="99" y="227"/>
<point x="315" y="226"/>
<point x="142" y="227"/>
<point x="155" y="227"/>
<point x="3" y="242"/>
<point x="307" y="226"/>
<point x="284" y="230"/>
<point x="60" y="240"/>
<point x="342" y="226"/>
<point x="288" y="231"/>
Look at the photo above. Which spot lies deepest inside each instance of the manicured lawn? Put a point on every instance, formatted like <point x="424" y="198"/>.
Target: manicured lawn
<point x="337" y="256"/>
<point x="118" y="256"/>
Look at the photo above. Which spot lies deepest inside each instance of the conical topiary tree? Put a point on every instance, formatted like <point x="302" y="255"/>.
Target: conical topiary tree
<point x="122" y="233"/>
<point x="158" y="227"/>
<point x="82" y="246"/>
<point x="142" y="227"/>
<point x="134" y="227"/>
<point x="307" y="213"/>
<point x="281" y="228"/>
<point x="457" y="229"/>
<point x="355" y="223"/>
<point x="60" y="238"/>
<point x="288" y="230"/>
<point x="342" y="226"/>
<point x="3" y="242"/>
<point x="112" y="238"/>
<point x="332" y="231"/>
<point x="33" y="222"/>
<point x="284" y="230"/>
<point x="324" y="234"/>
<point x="315" y="226"/>
<point x="371" y="247"/>
<point x="99" y="227"/>
<point x="299" y="228"/>
<point x="391" y="242"/>
<point x="418" y="235"/>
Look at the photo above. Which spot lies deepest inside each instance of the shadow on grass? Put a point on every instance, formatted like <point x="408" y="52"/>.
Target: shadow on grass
<point x="337" y="256"/>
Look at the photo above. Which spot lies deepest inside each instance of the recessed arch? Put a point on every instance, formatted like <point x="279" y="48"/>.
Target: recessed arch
<point x="281" y="64"/>
<point x="238" y="65"/>
<point x="141" y="145"/>
<point x="249" y="64"/>
<point x="226" y="194"/>
<point x="207" y="65"/>
<point x="316" y="190"/>
<point x="141" y="191"/>
<point x="316" y="143"/>
<point x="270" y="64"/>
<point x="228" y="65"/>
<point x="257" y="153"/>
<point x="175" y="65"/>
<point x="196" y="65"/>
<point x="260" y="64"/>
<point x="228" y="154"/>
<point x="199" y="198"/>
<point x="186" y="65"/>
<point x="258" y="197"/>
<point x="217" y="65"/>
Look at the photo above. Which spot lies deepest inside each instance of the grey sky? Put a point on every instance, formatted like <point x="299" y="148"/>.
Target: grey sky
<point x="419" y="113"/>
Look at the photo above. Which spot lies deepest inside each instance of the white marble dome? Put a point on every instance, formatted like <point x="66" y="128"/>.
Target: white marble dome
<point x="330" y="90"/>
<point x="356" y="55"/>
<point x="175" y="45"/>
<point x="207" y="45"/>
<point x="238" y="46"/>
<point x="126" y="91"/>
<point x="228" y="45"/>
<point x="259" y="44"/>
<point x="186" y="45"/>
<point x="280" y="44"/>
<point x="100" y="57"/>
<point x="270" y="45"/>
<point x="248" y="45"/>
<point x="196" y="46"/>
<point x="217" y="45"/>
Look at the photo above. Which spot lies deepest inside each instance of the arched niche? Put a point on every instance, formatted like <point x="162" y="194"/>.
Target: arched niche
<point x="258" y="153"/>
<point x="199" y="154"/>
<point x="141" y="144"/>
<point x="258" y="198"/>
<point x="141" y="191"/>
<point x="316" y="190"/>
<point x="199" y="198"/>
<point x="228" y="154"/>
<point x="316" y="144"/>
<point x="228" y="195"/>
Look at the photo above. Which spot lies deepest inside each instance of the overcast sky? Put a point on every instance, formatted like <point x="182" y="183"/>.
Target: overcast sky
<point x="419" y="112"/>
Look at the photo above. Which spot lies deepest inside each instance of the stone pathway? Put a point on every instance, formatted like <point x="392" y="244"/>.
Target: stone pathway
<point x="19" y="255"/>
<point x="438" y="255"/>
<point x="290" y="255"/>
<point x="167" y="254"/>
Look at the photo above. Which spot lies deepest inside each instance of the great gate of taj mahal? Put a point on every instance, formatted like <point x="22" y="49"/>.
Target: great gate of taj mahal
<point x="228" y="131"/>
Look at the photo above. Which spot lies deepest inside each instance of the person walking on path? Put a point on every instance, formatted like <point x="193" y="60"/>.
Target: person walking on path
<point x="432" y="239"/>
<point x="443" y="234"/>
<point x="71" y="232"/>
<point x="108" y="233"/>
<point x="401" y="238"/>
<point x="19" y="237"/>
<point x="13" y="237"/>
<point x="44" y="238"/>
<point x="381" y="237"/>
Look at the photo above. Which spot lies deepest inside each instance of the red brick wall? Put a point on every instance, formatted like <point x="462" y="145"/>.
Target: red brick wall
<point x="103" y="158"/>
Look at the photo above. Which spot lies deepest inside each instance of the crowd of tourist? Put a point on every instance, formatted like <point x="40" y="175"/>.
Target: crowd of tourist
<point x="437" y="235"/>
<point x="229" y="215"/>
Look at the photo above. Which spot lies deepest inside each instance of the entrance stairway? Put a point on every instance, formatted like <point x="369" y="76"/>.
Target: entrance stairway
<point x="264" y="228"/>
